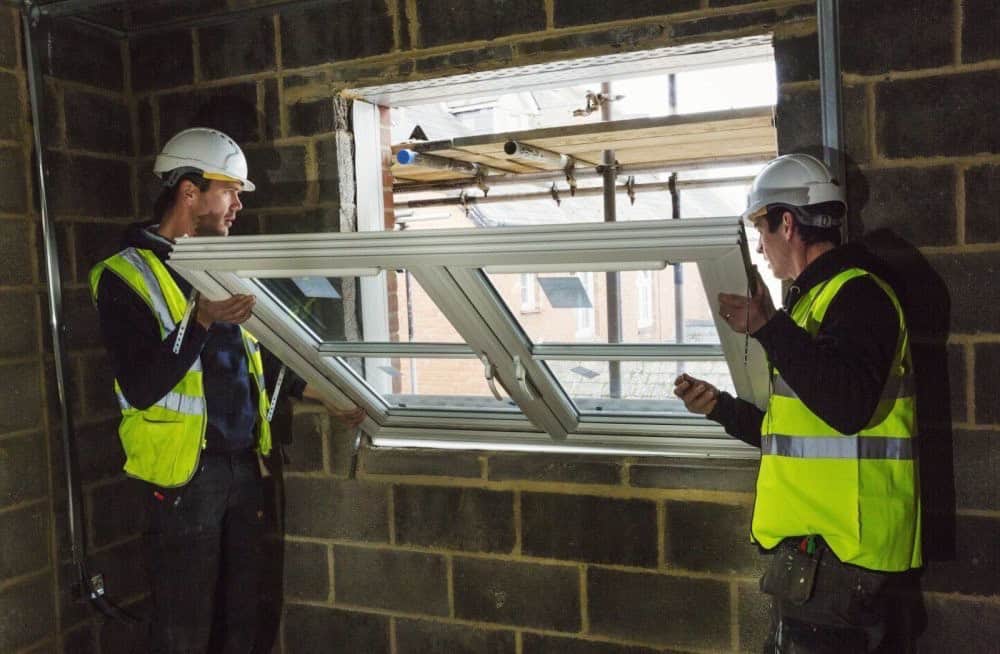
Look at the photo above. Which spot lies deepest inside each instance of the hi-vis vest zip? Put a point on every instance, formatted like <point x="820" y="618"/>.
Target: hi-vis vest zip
<point x="163" y="442"/>
<point x="858" y="491"/>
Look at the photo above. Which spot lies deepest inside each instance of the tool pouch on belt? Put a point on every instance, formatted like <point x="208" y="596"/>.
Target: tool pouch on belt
<point x="791" y="575"/>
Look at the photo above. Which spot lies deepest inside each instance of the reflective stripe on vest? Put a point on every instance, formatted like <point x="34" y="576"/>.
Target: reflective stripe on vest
<point x="189" y="405"/>
<point x="159" y="302"/>
<point x="838" y="447"/>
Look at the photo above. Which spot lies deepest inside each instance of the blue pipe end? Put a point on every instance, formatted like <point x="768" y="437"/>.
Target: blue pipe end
<point x="406" y="156"/>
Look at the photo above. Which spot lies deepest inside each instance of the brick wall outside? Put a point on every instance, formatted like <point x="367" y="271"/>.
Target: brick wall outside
<point x="487" y="552"/>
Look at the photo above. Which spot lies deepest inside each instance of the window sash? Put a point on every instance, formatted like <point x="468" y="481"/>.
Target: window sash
<point x="449" y="265"/>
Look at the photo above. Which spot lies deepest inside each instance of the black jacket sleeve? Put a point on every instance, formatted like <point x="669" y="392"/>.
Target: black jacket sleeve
<point x="144" y="364"/>
<point x="840" y="373"/>
<point x="741" y="419"/>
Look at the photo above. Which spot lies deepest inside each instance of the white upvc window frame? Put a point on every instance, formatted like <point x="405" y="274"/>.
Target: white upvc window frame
<point x="689" y="436"/>
<point x="452" y="266"/>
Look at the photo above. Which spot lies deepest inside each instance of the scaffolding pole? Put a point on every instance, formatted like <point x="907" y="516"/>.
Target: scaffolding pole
<point x="667" y="186"/>
<point x="595" y="172"/>
<point x="612" y="278"/>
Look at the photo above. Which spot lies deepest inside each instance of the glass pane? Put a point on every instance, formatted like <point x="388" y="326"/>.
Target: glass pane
<point x="646" y="386"/>
<point x="714" y="202"/>
<point x="728" y="200"/>
<point x="723" y="87"/>
<point x="730" y="87"/>
<point x="319" y="304"/>
<point x="657" y="306"/>
<point x="453" y="384"/>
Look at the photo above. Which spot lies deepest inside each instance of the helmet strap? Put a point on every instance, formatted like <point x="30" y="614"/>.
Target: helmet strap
<point x="173" y="177"/>
<point x="803" y="217"/>
<point x="816" y="219"/>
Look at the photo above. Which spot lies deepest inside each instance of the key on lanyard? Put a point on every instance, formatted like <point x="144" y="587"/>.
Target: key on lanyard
<point x="188" y="311"/>
<point x="277" y="388"/>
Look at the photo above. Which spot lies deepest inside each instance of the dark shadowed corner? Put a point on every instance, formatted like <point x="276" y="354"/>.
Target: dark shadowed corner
<point x="927" y="308"/>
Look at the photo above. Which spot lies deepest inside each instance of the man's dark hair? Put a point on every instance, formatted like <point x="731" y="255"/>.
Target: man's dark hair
<point x="168" y="194"/>
<point x="809" y="233"/>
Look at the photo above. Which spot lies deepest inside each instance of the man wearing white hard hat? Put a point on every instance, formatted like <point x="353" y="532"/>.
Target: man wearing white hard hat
<point x="194" y="408"/>
<point x="837" y="504"/>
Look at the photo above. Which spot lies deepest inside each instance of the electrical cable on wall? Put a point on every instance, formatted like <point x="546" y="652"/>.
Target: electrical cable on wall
<point x="88" y="583"/>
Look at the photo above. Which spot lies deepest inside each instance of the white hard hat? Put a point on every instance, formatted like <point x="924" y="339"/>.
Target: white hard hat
<point x="795" y="180"/>
<point x="203" y="150"/>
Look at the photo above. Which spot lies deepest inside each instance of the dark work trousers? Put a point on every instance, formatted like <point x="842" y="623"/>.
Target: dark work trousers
<point x="203" y="547"/>
<point x="845" y="613"/>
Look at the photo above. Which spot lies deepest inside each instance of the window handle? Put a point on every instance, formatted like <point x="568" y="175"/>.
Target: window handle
<point x="522" y="378"/>
<point x="361" y="440"/>
<point x="489" y="373"/>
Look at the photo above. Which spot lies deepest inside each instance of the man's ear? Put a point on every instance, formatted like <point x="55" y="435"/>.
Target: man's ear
<point x="787" y="225"/>
<point x="188" y="191"/>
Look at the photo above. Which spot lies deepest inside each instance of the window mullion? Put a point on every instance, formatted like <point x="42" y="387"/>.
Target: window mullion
<point x="515" y="343"/>
<point x="456" y="296"/>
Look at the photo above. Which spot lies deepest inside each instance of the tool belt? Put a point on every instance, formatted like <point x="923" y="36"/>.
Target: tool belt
<point x="811" y="583"/>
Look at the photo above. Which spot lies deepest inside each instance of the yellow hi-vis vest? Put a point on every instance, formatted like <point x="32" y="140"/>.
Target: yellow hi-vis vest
<point x="163" y="442"/>
<point x="858" y="491"/>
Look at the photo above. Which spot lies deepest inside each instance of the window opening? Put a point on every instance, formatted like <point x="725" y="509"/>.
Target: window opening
<point x="501" y="309"/>
<point x="608" y="307"/>
<point x="566" y="308"/>
<point x="666" y="305"/>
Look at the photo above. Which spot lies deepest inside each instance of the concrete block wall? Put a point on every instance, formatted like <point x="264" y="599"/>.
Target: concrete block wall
<point x="231" y="77"/>
<point x="465" y="552"/>
<point x="470" y="552"/>
<point x="921" y="84"/>
<point x="458" y="552"/>
<point x="90" y="161"/>
<point x="92" y="179"/>
<point x="438" y="552"/>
